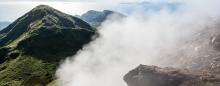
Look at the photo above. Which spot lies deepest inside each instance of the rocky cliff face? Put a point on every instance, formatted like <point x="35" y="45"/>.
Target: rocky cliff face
<point x="196" y="62"/>
<point x="145" y="75"/>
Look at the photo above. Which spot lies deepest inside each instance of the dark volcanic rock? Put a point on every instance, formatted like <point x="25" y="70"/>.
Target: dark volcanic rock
<point x="154" y="76"/>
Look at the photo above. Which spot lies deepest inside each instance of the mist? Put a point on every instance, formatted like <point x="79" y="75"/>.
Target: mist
<point x="143" y="37"/>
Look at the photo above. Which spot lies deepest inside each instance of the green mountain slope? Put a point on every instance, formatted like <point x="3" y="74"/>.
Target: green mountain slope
<point x="33" y="45"/>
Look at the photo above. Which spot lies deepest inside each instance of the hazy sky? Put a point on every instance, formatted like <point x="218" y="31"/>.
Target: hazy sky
<point x="12" y="9"/>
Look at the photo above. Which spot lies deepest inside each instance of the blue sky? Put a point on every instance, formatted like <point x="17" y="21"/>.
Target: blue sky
<point x="12" y="9"/>
<point x="148" y="6"/>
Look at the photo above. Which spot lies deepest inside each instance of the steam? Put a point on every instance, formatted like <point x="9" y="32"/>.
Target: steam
<point x="141" y="38"/>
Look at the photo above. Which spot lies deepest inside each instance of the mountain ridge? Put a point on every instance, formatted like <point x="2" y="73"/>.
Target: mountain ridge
<point x="96" y="18"/>
<point x="33" y="45"/>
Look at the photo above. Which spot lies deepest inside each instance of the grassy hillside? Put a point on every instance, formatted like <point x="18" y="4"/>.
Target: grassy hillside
<point x="33" y="46"/>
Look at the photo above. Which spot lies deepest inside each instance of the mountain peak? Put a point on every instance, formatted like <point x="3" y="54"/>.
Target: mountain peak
<point x="43" y="37"/>
<point x="43" y="7"/>
<point x="108" y="11"/>
<point x="43" y="10"/>
<point x="41" y="18"/>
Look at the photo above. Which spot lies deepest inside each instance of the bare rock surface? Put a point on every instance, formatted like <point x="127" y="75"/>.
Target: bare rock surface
<point x="145" y="75"/>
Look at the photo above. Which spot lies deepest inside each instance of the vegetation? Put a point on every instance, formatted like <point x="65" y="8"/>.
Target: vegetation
<point x="33" y="46"/>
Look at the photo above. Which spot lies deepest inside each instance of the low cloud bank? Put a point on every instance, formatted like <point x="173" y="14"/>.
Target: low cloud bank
<point x="141" y="38"/>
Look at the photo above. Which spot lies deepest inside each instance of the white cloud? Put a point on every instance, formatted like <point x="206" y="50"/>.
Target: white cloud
<point x="141" y="38"/>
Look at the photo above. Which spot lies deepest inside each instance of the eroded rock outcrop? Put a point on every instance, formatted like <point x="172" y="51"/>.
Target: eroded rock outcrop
<point x="145" y="75"/>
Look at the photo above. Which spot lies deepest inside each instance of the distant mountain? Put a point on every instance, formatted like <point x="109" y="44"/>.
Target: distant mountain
<point x="95" y="18"/>
<point x="34" y="44"/>
<point x="3" y="24"/>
